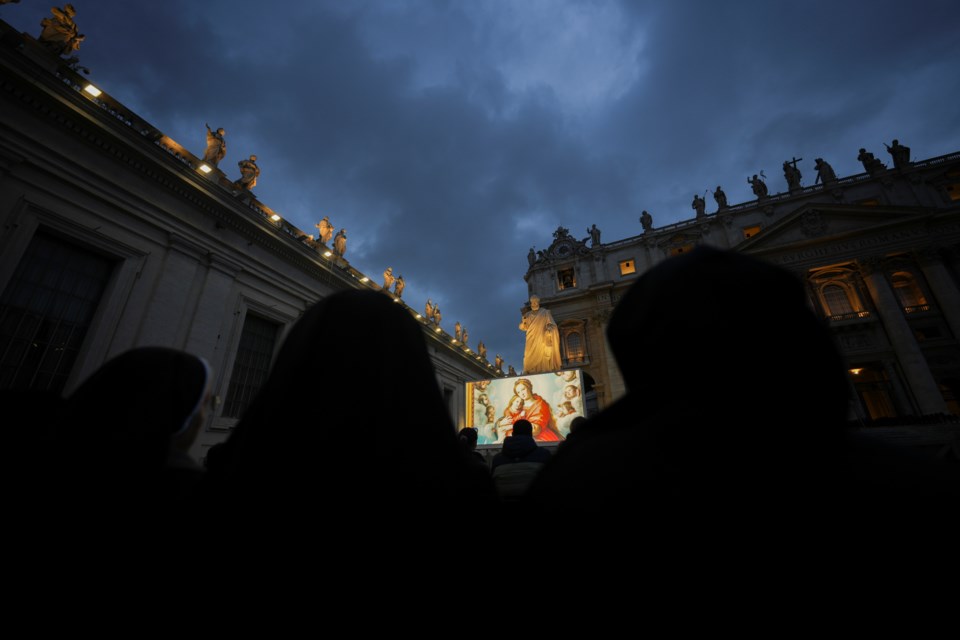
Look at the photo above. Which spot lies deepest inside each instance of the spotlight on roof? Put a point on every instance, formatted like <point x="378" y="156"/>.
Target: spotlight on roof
<point x="364" y="279"/>
<point x="92" y="90"/>
<point x="205" y="168"/>
<point x="275" y="217"/>
<point x="327" y="254"/>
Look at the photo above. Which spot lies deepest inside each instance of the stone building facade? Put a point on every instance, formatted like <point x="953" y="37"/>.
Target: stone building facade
<point x="112" y="237"/>
<point x="879" y="253"/>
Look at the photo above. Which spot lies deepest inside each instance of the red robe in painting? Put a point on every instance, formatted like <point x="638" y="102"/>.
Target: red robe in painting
<point x="539" y="414"/>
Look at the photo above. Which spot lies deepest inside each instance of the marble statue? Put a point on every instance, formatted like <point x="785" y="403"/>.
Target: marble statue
<point x="542" y="351"/>
<point x="60" y="33"/>
<point x="388" y="279"/>
<point x="398" y="286"/>
<point x="340" y="242"/>
<point x="899" y="153"/>
<point x="325" y="229"/>
<point x="825" y="172"/>
<point x="216" y="146"/>
<point x="721" y="198"/>
<point x="249" y="172"/>
<point x="699" y="205"/>
<point x="646" y="220"/>
<point x="758" y="185"/>
<point x="792" y="174"/>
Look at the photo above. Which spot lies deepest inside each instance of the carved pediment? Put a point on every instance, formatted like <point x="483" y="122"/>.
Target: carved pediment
<point x="820" y="221"/>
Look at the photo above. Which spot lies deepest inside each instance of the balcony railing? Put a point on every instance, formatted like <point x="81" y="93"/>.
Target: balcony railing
<point x="853" y="315"/>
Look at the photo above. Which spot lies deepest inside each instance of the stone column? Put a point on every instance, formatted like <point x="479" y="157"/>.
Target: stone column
<point x="941" y="285"/>
<point x="912" y="361"/>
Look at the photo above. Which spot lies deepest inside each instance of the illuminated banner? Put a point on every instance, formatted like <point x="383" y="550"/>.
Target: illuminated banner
<point x="550" y="401"/>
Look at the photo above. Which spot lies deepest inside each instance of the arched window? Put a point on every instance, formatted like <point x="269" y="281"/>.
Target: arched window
<point x="908" y="291"/>
<point x="837" y="300"/>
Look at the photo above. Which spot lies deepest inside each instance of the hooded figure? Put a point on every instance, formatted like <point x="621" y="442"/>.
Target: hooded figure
<point x="122" y="440"/>
<point x="736" y="399"/>
<point x="286" y="462"/>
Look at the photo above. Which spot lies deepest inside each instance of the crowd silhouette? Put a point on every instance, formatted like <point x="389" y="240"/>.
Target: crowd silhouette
<point x="735" y="417"/>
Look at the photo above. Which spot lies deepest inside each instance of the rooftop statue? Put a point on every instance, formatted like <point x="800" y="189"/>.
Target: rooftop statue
<point x="871" y="164"/>
<point x="594" y="236"/>
<point x="325" y="229"/>
<point x="340" y="242"/>
<point x="825" y="172"/>
<point x="646" y="220"/>
<point x="721" y="198"/>
<point x="758" y="185"/>
<point x="398" y="286"/>
<point x="249" y="172"/>
<point x="60" y="33"/>
<point x="899" y="153"/>
<point x="388" y="279"/>
<point x="216" y="146"/>
<point x="699" y="205"/>
<point x="792" y="174"/>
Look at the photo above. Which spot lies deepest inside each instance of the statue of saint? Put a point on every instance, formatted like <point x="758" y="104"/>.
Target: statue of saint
<point x="466" y="337"/>
<point x="792" y="174"/>
<point x="721" y="198"/>
<point x="899" y="153"/>
<point x="542" y="351"/>
<point x="216" y="146"/>
<point x="458" y="331"/>
<point x="326" y="229"/>
<point x="428" y="310"/>
<point x="871" y="164"/>
<point x="60" y="33"/>
<point x="388" y="279"/>
<point x="511" y="371"/>
<point x="531" y="257"/>
<point x="594" y="236"/>
<point x="498" y="363"/>
<point x="759" y="186"/>
<point x="340" y="242"/>
<point x="398" y="286"/>
<point x="249" y="172"/>
<point x="436" y="314"/>
<point x="482" y="350"/>
<point x="646" y="220"/>
<point x="825" y="172"/>
<point x="699" y="205"/>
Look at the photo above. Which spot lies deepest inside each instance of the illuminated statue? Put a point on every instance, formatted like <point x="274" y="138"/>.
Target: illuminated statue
<point x="399" y="286"/>
<point x="542" y="351"/>
<point x="436" y="314"/>
<point x="340" y="242"/>
<point x="498" y="363"/>
<point x="325" y="229"/>
<point x="458" y="331"/>
<point x="388" y="279"/>
<point x="60" y="33"/>
<point x="482" y="349"/>
<point x="428" y="310"/>
<point x="249" y="172"/>
<point x="216" y="146"/>
<point x="511" y="371"/>
<point x="466" y="337"/>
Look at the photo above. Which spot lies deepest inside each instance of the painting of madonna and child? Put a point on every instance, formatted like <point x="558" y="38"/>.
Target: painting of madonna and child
<point x="550" y="401"/>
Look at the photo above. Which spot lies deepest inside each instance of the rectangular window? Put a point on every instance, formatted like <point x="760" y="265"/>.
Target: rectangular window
<point x="627" y="267"/>
<point x="869" y="202"/>
<point x="46" y="311"/>
<point x="676" y="251"/>
<point x="749" y="232"/>
<point x="565" y="279"/>
<point x="252" y="364"/>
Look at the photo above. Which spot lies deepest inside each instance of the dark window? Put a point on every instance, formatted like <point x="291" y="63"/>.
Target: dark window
<point x="252" y="364"/>
<point x="46" y="311"/>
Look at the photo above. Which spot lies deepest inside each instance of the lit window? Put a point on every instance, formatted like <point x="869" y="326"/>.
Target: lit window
<point x="749" y="232"/>
<point x="574" y="347"/>
<point x="565" y="279"/>
<point x="627" y="267"/>
<point x="838" y="303"/>
<point x="676" y="251"/>
<point x="908" y="291"/>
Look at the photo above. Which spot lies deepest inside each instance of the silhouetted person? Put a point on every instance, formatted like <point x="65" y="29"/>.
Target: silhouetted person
<point x="519" y="462"/>
<point x="746" y="428"/>
<point x="355" y="462"/>
<point x="119" y="449"/>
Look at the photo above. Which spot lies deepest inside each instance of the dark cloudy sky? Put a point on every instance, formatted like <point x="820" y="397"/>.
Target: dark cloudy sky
<point x="448" y="137"/>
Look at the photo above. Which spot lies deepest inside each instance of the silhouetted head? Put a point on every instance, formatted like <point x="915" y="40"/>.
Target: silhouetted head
<point x="523" y="427"/>
<point x="727" y="334"/>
